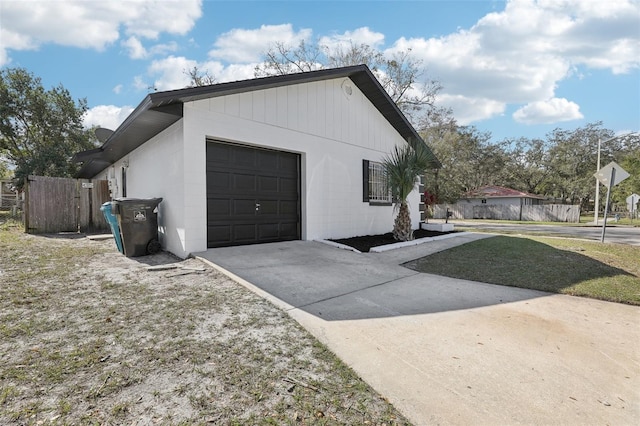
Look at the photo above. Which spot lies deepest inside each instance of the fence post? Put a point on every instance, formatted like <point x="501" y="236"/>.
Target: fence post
<point x="26" y="204"/>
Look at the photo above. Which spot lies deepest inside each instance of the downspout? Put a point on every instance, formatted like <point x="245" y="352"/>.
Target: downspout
<point x="520" y="218"/>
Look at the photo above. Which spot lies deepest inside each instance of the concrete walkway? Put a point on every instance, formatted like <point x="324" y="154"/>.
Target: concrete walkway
<point x="450" y="351"/>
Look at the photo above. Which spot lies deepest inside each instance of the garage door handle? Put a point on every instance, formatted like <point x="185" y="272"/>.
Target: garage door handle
<point x="257" y="206"/>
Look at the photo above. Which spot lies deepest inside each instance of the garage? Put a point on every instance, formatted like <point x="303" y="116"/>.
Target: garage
<point x="253" y="195"/>
<point x="268" y="159"/>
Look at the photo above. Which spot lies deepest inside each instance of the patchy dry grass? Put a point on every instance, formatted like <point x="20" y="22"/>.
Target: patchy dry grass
<point x="88" y="336"/>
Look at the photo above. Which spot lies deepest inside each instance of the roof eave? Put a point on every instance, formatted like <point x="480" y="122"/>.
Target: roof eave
<point x="123" y="140"/>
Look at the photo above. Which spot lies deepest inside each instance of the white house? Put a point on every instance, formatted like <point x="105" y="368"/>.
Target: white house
<point x="262" y="160"/>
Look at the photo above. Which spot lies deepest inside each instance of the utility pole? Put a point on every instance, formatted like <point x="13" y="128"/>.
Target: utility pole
<point x="597" y="200"/>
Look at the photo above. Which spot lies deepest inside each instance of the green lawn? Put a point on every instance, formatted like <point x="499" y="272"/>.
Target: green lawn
<point x="584" y="220"/>
<point x="575" y="267"/>
<point x="611" y="220"/>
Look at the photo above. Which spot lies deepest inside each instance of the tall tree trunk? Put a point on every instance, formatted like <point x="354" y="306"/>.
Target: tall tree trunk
<point x="402" y="226"/>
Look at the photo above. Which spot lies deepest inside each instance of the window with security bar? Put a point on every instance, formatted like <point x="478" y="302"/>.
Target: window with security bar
<point x="376" y="186"/>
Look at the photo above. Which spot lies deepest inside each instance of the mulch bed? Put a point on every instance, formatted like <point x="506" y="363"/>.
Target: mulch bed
<point x="365" y="242"/>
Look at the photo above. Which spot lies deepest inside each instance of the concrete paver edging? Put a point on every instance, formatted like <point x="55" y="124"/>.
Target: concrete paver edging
<point x="387" y="247"/>
<point x="415" y="242"/>
<point x="338" y="245"/>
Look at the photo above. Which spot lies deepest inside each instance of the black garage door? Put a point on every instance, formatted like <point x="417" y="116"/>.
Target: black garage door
<point x="253" y="195"/>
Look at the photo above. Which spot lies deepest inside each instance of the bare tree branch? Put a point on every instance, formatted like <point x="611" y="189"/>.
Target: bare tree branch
<point x="199" y="78"/>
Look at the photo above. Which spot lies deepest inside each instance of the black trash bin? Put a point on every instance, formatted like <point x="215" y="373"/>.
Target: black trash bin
<point x="138" y="222"/>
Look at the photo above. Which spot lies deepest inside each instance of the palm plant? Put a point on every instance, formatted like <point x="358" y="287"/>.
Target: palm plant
<point x="403" y="166"/>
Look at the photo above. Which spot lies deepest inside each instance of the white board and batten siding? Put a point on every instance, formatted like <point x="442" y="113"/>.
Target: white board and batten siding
<point x="157" y="169"/>
<point x="330" y="129"/>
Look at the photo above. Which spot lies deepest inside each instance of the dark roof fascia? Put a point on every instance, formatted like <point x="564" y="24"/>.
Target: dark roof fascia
<point x="242" y="86"/>
<point x="126" y="137"/>
<point x="91" y="160"/>
<point x="172" y="101"/>
<point x="86" y="155"/>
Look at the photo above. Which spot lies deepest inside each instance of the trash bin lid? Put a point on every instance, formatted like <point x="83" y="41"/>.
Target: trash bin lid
<point x="126" y="200"/>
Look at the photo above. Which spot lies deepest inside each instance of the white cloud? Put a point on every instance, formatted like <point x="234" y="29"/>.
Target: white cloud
<point x="117" y="89"/>
<point x="107" y="116"/>
<point x="90" y="24"/>
<point x="4" y="58"/>
<point x="140" y="84"/>
<point x="521" y="54"/>
<point x="245" y="46"/>
<point x="137" y="51"/>
<point x="234" y="57"/>
<point x="358" y="36"/>
<point x="163" y="49"/>
<point x="172" y="73"/>
<point x="469" y="110"/>
<point x="546" y="112"/>
<point x="135" y="48"/>
<point x="233" y="72"/>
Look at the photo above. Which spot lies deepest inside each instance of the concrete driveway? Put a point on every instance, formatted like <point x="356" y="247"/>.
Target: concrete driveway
<point x="450" y="351"/>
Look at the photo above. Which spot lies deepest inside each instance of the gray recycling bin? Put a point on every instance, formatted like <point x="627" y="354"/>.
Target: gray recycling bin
<point x="138" y="222"/>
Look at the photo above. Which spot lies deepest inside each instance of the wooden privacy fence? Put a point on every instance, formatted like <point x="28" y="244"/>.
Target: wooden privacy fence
<point x="64" y="205"/>
<point x="542" y="213"/>
<point x="458" y="211"/>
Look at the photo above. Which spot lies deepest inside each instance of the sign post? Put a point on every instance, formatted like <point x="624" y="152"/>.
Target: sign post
<point x="610" y="175"/>
<point x="632" y="201"/>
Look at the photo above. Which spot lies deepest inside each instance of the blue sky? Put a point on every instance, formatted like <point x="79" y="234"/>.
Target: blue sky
<point x="514" y="68"/>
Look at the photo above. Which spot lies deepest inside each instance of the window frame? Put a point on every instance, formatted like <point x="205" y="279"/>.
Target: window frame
<point x="373" y="173"/>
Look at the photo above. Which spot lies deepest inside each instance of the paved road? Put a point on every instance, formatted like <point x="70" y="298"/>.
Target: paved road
<point x="450" y="351"/>
<point x="613" y="234"/>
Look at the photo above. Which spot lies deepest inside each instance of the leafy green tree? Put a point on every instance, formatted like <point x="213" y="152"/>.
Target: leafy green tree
<point x="526" y="164"/>
<point x="5" y="172"/>
<point x="469" y="160"/>
<point x="572" y="162"/>
<point x="631" y="164"/>
<point x="40" y="129"/>
<point x="403" y="166"/>
<point x="561" y="166"/>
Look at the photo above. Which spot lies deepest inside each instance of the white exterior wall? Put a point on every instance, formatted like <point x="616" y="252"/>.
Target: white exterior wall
<point x="156" y="169"/>
<point x="332" y="131"/>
